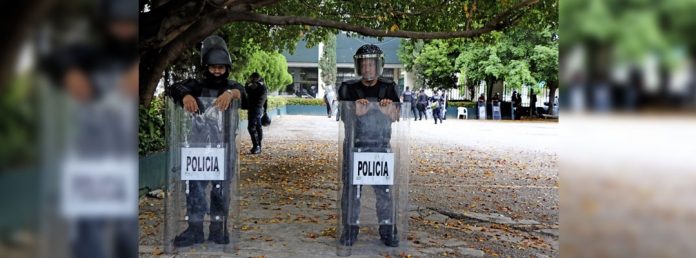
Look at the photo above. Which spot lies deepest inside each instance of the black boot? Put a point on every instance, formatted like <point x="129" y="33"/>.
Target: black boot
<point x="388" y="236"/>
<point x="218" y="233"/>
<point x="255" y="149"/>
<point x="192" y="235"/>
<point x="349" y="235"/>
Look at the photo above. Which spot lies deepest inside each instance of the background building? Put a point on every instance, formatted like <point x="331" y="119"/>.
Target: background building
<point x="303" y="65"/>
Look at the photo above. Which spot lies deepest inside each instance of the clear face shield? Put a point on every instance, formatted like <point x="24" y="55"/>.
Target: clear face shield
<point x="369" y="66"/>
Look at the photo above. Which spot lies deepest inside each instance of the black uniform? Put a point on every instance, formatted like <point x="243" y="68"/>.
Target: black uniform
<point x="439" y="105"/>
<point x="256" y="98"/>
<point x="516" y="105"/>
<point x="532" y="104"/>
<point x="422" y="103"/>
<point x="370" y="132"/>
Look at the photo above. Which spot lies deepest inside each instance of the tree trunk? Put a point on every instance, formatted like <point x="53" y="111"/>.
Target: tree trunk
<point x="153" y="62"/>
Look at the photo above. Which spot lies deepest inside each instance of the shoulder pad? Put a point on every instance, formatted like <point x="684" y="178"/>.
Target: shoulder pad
<point x="385" y="80"/>
<point x="343" y="93"/>
<point x="233" y="83"/>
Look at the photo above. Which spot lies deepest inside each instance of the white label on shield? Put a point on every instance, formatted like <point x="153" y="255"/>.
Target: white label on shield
<point x="101" y="188"/>
<point x="373" y="168"/>
<point x="202" y="163"/>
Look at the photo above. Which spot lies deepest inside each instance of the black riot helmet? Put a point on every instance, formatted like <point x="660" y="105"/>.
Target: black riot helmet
<point x="214" y="52"/>
<point x="369" y="62"/>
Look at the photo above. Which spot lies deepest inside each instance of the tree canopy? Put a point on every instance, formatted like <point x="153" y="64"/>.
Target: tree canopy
<point x="631" y="29"/>
<point x="518" y="57"/>
<point x="169" y="27"/>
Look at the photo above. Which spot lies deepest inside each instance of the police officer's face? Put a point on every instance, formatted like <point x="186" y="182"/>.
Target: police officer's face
<point x="368" y="68"/>
<point x="217" y="70"/>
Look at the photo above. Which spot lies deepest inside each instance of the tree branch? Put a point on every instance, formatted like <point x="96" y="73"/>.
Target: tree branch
<point x="259" y="4"/>
<point x="501" y="21"/>
<point x="159" y="59"/>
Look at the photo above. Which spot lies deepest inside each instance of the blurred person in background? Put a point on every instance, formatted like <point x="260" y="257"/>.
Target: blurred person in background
<point x="100" y="75"/>
<point x="438" y="104"/>
<point x="532" y="103"/>
<point x="516" y="104"/>
<point x="408" y="97"/>
<point x="422" y="103"/>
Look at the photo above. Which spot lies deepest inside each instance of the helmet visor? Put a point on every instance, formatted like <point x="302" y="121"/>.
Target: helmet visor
<point x="368" y="66"/>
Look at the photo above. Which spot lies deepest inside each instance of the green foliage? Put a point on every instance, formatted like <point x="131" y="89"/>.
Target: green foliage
<point x="304" y="101"/>
<point x="519" y="57"/>
<point x="408" y="51"/>
<point x="245" y="38"/>
<point x="631" y="29"/>
<point x="271" y="65"/>
<point x="18" y="124"/>
<point x="545" y="60"/>
<point x="151" y="134"/>
<point x="276" y="102"/>
<point x="437" y="63"/>
<point x="327" y="62"/>
<point x="467" y="104"/>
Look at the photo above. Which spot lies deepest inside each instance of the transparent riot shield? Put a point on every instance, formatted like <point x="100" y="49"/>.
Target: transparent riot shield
<point x="89" y="176"/>
<point x="201" y="201"/>
<point x="482" y="111"/>
<point x="373" y="172"/>
<point x="496" y="112"/>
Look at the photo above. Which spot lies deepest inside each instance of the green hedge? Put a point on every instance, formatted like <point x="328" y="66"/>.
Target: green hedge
<point x="276" y="101"/>
<point x="467" y="104"/>
<point x="273" y="103"/>
<point x="304" y="101"/>
<point x="151" y="127"/>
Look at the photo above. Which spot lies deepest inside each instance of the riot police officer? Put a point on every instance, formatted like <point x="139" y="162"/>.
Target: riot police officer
<point x="407" y="97"/>
<point x="216" y="64"/>
<point x="372" y="133"/>
<point x="256" y="98"/>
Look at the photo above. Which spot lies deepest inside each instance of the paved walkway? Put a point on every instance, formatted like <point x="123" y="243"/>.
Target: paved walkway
<point x="477" y="188"/>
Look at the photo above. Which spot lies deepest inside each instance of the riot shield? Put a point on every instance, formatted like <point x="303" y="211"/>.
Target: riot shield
<point x="201" y="201"/>
<point x="373" y="172"/>
<point x="482" y="111"/>
<point x="496" y="111"/>
<point x="89" y="179"/>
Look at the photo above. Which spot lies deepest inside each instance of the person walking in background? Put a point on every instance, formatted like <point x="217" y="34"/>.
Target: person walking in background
<point x="532" y="103"/>
<point x="256" y="97"/>
<point x="422" y="103"/>
<point x="329" y="99"/>
<point x="407" y="97"/>
<point x="438" y="104"/>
